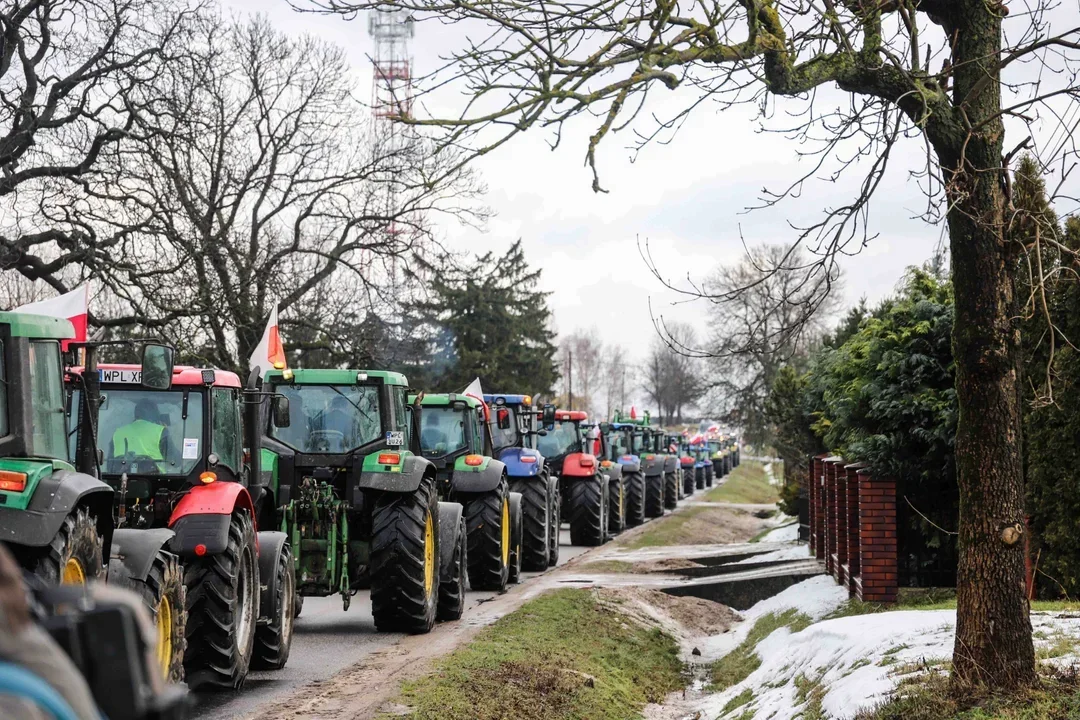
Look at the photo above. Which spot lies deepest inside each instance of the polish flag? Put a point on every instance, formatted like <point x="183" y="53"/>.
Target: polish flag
<point x="269" y="353"/>
<point x="633" y="413"/>
<point x="71" y="306"/>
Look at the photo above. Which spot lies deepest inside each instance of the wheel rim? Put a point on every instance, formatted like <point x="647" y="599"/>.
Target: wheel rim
<point x="288" y="609"/>
<point x="73" y="573"/>
<point x="429" y="554"/>
<point x="246" y="603"/>
<point x="506" y="532"/>
<point x="164" y="635"/>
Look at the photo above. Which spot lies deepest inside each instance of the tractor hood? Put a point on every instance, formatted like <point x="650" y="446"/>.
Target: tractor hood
<point x="517" y="465"/>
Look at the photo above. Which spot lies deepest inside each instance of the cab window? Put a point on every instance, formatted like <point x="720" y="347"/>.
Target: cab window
<point x="47" y="394"/>
<point x="401" y="417"/>
<point x="226" y="441"/>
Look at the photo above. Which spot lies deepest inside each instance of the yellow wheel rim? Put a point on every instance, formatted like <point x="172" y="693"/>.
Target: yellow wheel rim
<point x="164" y="635"/>
<point x="429" y="554"/>
<point x="73" y="573"/>
<point x="506" y="532"/>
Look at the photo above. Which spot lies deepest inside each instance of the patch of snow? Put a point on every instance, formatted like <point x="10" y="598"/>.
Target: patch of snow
<point x="794" y="552"/>
<point x="785" y="533"/>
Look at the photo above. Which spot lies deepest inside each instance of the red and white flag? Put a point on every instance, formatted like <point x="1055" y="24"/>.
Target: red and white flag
<point x="269" y="353"/>
<point x="633" y="413"/>
<point x="71" y="306"/>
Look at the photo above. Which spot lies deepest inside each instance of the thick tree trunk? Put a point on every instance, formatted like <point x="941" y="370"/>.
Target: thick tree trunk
<point x="993" y="629"/>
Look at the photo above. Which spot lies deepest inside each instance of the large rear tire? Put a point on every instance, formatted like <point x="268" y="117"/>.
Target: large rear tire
<point x="586" y="505"/>
<point x="635" y="498"/>
<point x="488" y="526"/>
<point x="516" y="533"/>
<point x="688" y="481"/>
<point x="536" y="517"/>
<point x="708" y="475"/>
<point x="671" y="490"/>
<point x="222" y="610"/>
<point x="616" y="506"/>
<point x="555" y="530"/>
<point x="74" y="557"/>
<point x="452" y="586"/>
<point x="274" y="640"/>
<point x="699" y="478"/>
<point x="405" y="559"/>
<point x="164" y="595"/>
<point x="654" y="496"/>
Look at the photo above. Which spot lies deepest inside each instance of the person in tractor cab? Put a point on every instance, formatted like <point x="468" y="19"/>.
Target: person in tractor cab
<point x="144" y="437"/>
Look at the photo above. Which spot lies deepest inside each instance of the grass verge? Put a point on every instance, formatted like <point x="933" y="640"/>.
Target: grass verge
<point x="558" y="656"/>
<point x="697" y="525"/>
<point x="738" y="664"/>
<point x="747" y="484"/>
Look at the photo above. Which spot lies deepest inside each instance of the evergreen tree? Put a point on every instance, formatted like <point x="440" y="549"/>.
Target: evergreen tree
<point x="488" y="321"/>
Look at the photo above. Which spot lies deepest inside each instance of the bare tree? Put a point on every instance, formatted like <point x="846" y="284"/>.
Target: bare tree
<point x="69" y="75"/>
<point x="581" y="355"/>
<point x="943" y="73"/>
<point x="256" y="178"/>
<point x="763" y="321"/>
<point x="672" y="379"/>
<point x="614" y="379"/>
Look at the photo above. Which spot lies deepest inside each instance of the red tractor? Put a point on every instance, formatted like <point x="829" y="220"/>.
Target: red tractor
<point x="179" y="461"/>
<point x="582" y="485"/>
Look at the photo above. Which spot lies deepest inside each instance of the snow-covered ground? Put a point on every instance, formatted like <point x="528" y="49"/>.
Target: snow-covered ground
<point x="785" y="533"/>
<point x="794" y="552"/>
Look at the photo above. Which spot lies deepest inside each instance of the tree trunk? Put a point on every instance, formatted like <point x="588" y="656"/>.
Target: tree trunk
<point x="993" y="629"/>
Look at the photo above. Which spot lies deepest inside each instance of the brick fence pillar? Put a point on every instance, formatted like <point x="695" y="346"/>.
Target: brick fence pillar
<point x="840" y="565"/>
<point x="853" y="527"/>
<point x="819" y="507"/>
<point x="831" y="466"/>
<point x="877" y="547"/>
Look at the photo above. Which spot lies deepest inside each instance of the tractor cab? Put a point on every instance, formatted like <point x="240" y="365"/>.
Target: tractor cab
<point x="454" y="432"/>
<point x="566" y="440"/>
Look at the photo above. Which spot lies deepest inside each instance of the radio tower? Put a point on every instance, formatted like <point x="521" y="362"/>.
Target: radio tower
<point x="392" y="92"/>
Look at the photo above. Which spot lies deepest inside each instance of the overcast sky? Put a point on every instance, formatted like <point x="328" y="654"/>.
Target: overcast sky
<point x="687" y="198"/>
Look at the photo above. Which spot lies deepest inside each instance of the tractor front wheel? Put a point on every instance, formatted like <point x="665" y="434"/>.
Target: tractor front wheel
<point x="222" y="610"/>
<point x="536" y="512"/>
<point x="164" y="595"/>
<point x="516" y="533"/>
<point x="635" y="498"/>
<point x="74" y="556"/>
<point x="488" y="526"/>
<point x="654" y="496"/>
<point x="671" y="490"/>
<point x="586" y="505"/>
<point x="405" y="559"/>
<point x="274" y="639"/>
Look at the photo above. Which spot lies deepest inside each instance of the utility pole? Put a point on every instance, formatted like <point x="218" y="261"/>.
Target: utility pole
<point x="570" y="378"/>
<point x="622" y="391"/>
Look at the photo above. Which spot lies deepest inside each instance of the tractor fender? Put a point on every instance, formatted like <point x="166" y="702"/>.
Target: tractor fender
<point x="203" y="515"/>
<point x="133" y="553"/>
<point x="55" y="497"/>
<point x="449" y="523"/>
<point x="653" y="467"/>
<point x="408" y="480"/>
<point x="270" y="544"/>
<point x="579" y="465"/>
<point x="613" y="471"/>
<point x="671" y="463"/>
<point x="515" y="467"/>
<point x="471" y="481"/>
<point x="630" y="463"/>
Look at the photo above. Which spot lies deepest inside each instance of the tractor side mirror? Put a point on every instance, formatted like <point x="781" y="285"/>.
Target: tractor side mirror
<point x="547" y="417"/>
<point x="502" y="418"/>
<point x="279" y="406"/>
<point x="157" y="366"/>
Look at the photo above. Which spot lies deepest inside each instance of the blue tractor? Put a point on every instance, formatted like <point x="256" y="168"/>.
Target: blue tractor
<point x="514" y="428"/>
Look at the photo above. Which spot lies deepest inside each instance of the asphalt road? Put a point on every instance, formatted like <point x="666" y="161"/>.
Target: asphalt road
<point x="327" y="640"/>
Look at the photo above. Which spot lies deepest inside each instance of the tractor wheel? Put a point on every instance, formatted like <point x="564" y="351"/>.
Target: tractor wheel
<point x="165" y="596"/>
<point x="222" y="611"/>
<point x="74" y="556"/>
<point x="616" y="506"/>
<point x="404" y="564"/>
<point x="516" y="533"/>
<point x="536" y="511"/>
<point x="274" y="640"/>
<point x="654" y="496"/>
<point x="671" y="490"/>
<point x="586" y="505"/>
<point x="555" y="530"/>
<point x="488" y="525"/>
<point x="699" y="478"/>
<point x="688" y="481"/>
<point x="635" y="498"/>
<point x="298" y="605"/>
<point x="452" y="587"/>
<point x="708" y="475"/>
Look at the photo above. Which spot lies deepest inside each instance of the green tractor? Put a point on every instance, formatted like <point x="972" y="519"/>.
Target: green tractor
<point x="652" y="464"/>
<point x="357" y="498"/>
<point x="455" y="435"/>
<point x="55" y="514"/>
<point x="664" y="450"/>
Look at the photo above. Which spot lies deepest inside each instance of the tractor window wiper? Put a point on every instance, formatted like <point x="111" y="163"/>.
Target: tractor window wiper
<point x="348" y="400"/>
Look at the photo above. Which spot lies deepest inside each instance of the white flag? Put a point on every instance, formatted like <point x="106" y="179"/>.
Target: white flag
<point x="474" y="390"/>
<point x="269" y="353"/>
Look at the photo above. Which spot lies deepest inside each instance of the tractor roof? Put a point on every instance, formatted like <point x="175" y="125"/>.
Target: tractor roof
<point x="493" y="399"/>
<point x="626" y="425"/>
<point x="320" y="376"/>
<point x="446" y="399"/>
<point x="182" y="375"/>
<point x="38" y="326"/>
<point x="578" y="415"/>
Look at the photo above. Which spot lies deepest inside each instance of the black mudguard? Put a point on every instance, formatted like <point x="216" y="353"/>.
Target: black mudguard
<point x="133" y="553"/>
<point x="209" y="529"/>
<point x="671" y="464"/>
<point x="55" y="497"/>
<point x="449" y="524"/>
<point x="406" y="481"/>
<point x="630" y="467"/>
<point x="477" y="482"/>
<point x="615" y="472"/>
<point x="653" y="467"/>
<point x="270" y="544"/>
